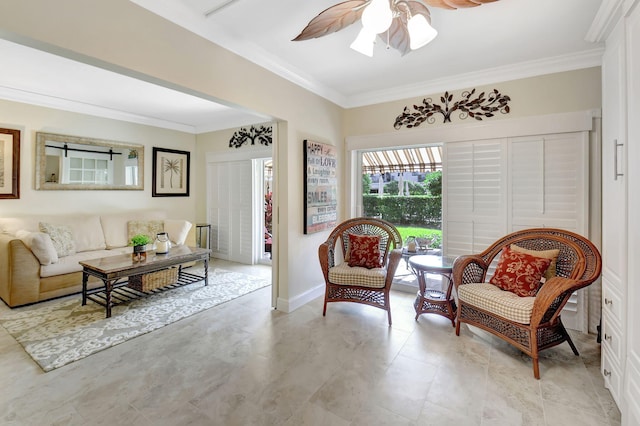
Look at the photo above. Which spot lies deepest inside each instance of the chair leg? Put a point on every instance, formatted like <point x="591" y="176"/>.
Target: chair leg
<point x="533" y="338"/>
<point x="458" y="320"/>
<point x="389" y="315"/>
<point x="569" y="341"/>
<point x="536" y="368"/>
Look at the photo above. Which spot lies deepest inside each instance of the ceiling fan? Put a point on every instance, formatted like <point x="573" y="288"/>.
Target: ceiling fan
<point x="404" y="25"/>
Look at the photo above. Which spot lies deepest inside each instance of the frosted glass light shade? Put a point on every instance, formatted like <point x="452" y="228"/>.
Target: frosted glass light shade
<point x="377" y="16"/>
<point x="420" y="32"/>
<point x="364" y="42"/>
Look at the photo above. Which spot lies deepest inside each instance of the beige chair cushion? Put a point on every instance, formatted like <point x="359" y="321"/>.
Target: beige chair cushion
<point x="344" y="274"/>
<point x="492" y="299"/>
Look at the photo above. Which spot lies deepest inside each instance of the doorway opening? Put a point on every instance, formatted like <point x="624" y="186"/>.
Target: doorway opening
<point x="404" y="186"/>
<point x="266" y="244"/>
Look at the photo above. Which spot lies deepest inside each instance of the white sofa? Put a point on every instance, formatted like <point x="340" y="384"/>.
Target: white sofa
<point x="39" y="255"/>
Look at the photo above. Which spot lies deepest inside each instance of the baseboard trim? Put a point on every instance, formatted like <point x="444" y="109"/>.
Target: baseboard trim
<point x="290" y="305"/>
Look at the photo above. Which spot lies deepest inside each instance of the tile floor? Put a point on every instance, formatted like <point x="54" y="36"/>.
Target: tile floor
<point x="242" y="363"/>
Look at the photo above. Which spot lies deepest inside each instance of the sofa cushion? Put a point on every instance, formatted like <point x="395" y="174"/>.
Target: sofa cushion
<point x="41" y="246"/>
<point x="150" y="228"/>
<point x="115" y="226"/>
<point x="69" y="264"/>
<point x="344" y="274"/>
<point x="87" y="232"/>
<point x="11" y="225"/>
<point x="61" y="237"/>
<point x="177" y="229"/>
<point x="490" y="298"/>
<point x="519" y="273"/>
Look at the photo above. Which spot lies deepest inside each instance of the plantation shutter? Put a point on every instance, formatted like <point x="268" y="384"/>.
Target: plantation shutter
<point x="495" y="187"/>
<point x="240" y="211"/>
<point x="230" y="210"/>
<point x="218" y="185"/>
<point x="474" y="194"/>
<point x="549" y="189"/>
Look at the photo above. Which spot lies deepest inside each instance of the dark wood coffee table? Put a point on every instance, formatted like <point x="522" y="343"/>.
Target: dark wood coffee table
<point x="114" y="271"/>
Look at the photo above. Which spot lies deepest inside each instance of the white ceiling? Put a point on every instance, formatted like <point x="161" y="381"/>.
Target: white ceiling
<point x="40" y="78"/>
<point x="495" y="42"/>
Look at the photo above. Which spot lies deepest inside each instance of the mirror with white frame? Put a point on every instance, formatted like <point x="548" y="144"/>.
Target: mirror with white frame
<point x="72" y="162"/>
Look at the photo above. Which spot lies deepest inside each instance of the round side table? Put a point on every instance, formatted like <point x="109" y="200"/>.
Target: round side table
<point x="429" y="300"/>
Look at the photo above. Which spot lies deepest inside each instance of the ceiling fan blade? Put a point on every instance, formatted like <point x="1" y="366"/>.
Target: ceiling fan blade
<point x="398" y="36"/>
<point x="455" y="4"/>
<point x="333" y="19"/>
<point x="417" y="7"/>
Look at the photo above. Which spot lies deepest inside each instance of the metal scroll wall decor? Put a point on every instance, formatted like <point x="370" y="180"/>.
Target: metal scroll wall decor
<point x="262" y="134"/>
<point x="484" y="105"/>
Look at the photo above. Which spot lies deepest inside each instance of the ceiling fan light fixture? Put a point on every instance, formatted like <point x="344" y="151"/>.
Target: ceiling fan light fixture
<point x="364" y="42"/>
<point x="420" y="32"/>
<point x="406" y="22"/>
<point x="377" y="16"/>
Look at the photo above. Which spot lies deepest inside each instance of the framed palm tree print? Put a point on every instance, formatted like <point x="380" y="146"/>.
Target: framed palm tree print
<point x="171" y="169"/>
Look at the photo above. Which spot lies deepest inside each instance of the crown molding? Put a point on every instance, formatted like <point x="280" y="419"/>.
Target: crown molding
<point x="605" y="20"/>
<point x="580" y="60"/>
<point x="15" y="95"/>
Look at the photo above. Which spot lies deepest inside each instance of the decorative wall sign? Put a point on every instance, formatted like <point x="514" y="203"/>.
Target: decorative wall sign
<point x="320" y="187"/>
<point x="262" y="134"/>
<point x="170" y="175"/>
<point x="482" y="106"/>
<point x="9" y="163"/>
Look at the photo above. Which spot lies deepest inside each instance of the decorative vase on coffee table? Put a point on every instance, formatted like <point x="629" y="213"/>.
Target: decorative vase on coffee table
<point x="139" y="253"/>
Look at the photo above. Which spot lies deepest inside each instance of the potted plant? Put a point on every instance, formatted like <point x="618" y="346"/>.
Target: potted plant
<point x="139" y="243"/>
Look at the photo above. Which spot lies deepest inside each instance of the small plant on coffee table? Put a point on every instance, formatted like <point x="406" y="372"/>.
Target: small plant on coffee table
<point x="139" y="243"/>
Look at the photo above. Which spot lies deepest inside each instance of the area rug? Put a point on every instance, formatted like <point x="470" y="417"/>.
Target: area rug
<point x="59" y="332"/>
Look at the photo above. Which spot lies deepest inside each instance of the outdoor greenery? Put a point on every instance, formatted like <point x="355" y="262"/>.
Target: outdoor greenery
<point x="417" y="210"/>
<point x="417" y="215"/>
<point x="366" y="183"/>
<point x="433" y="183"/>
<point x="410" y="231"/>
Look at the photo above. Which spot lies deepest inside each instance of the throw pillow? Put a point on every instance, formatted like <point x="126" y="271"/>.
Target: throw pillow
<point x="519" y="273"/>
<point x="177" y="230"/>
<point x="41" y="246"/>
<point x="546" y="254"/>
<point x="364" y="250"/>
<point x="61" y="237"/>
<point x="150" y="228"/>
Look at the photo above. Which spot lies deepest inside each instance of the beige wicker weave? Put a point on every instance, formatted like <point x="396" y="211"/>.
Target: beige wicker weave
<point x="390" y="248"/>
<point x="579" y="264"/>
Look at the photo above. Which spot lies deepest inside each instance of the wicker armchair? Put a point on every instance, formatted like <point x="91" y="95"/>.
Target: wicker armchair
<point x="357" y="284"/>
<point x="578" y="265"/>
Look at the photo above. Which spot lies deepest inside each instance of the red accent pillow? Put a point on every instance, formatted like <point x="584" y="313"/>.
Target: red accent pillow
<point x="519" y="273"/>
<point x="364" y="250"/>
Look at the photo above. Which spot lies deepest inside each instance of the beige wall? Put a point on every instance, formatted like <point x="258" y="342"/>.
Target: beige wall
<point x="121" y="36"/>
<point x="547" y="94"/>
<point x="30" y="119"/>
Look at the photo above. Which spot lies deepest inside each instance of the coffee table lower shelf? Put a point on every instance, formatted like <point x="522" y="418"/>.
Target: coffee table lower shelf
<point x="122" y="293"/>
